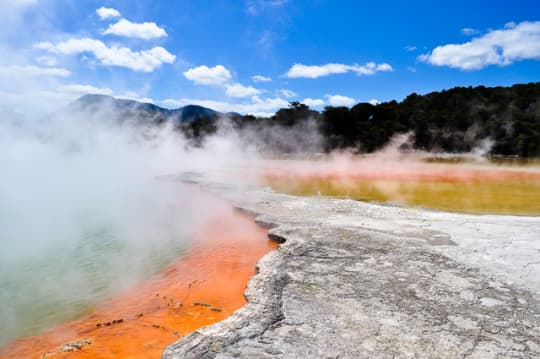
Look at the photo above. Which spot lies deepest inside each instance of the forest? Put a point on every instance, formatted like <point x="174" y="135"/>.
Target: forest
<point x="454" y="121"/>
<point x="451" y="121"/>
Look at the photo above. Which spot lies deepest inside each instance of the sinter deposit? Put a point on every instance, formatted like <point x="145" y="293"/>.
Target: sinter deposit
<point x="358" y="280"/>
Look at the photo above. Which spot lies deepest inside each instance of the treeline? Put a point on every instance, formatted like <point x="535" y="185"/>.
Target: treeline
<point x="454" y="120"/>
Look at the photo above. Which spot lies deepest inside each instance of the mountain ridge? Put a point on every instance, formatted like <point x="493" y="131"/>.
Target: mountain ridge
<point x="145" y="110"/>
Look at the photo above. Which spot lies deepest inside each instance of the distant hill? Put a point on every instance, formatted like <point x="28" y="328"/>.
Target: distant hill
<point x="142" y="112"/>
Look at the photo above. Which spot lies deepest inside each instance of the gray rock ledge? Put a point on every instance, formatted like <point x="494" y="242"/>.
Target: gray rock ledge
<point x="360" y="280"/>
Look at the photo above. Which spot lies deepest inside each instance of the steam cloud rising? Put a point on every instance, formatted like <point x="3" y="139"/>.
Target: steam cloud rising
<point x="83" y="215"/>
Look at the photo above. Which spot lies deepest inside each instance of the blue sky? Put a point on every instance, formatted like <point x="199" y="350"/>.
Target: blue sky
<point x="254" y="56"/>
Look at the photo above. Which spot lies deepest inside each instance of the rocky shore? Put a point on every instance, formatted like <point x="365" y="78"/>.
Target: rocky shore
<point x="361" y="280"/>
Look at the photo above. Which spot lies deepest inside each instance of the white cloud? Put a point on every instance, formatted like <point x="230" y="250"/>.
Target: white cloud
<point x="316" y="71"/>
<point x="46" y="60"/>
<point x="299" y="70"/>
<point x="259" y="78"/>
<point x="497" y="47"/>
<point x="372" y="68"/>
<point x="256" y="106"/>
<point x="410" y="48"/>
<point x="374" y="102"/>
<point x="239" y="90"/>
<point x="145" y="60"/>
<point x="32" y="71"/>
<point x="145" y="30"/>
<point x="469" y="31"/>
<point x="204" y="75"/>
<point x="267" y="104"/>
<point x="219" y="75"/>
<point x="79" y="89"/>
<point x="313" y="102"/>
<point x="340" y="100"/>
<point x="107" y="12"/>
<point x="287" y="93"/>
<point x="131" y="95"/>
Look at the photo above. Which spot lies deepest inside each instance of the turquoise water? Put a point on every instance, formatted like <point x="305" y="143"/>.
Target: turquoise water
<point x="67" y="277"/>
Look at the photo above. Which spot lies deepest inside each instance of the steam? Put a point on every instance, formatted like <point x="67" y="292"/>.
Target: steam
<point x="303" y="138"/>
<point x="82" y="214"/>
<point x="483" y="147"/>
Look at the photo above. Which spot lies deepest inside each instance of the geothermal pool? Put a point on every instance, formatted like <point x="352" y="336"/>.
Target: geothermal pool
<point x="60" y="264"/>
<point x="446" y="184"/>
<point x="96" y="250"/>
<point x="199" y="285"/>
<point x="134" y="297"/>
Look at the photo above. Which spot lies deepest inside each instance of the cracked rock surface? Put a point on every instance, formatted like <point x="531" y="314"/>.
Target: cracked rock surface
<point x="360" y="280"/>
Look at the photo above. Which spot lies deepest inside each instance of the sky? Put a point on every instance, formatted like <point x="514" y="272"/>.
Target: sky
<point x="256" y="56"/>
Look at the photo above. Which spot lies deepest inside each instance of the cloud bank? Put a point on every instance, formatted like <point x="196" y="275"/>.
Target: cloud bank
<point x="502" y="47"/>
<point x="340" y="100"/>
<point x="144" y="60"/>
<point x="219" y="75"/>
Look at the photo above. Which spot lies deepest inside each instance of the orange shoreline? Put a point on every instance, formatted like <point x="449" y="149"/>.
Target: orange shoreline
<point x="205" y="286"/>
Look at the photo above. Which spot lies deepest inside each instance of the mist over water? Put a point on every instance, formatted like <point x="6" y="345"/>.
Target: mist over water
<point x="82" y="215"/>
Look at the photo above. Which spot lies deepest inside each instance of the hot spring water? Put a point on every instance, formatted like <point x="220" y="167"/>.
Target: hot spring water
<point x="503" y="187"/>
<point x="48" y="280"/>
